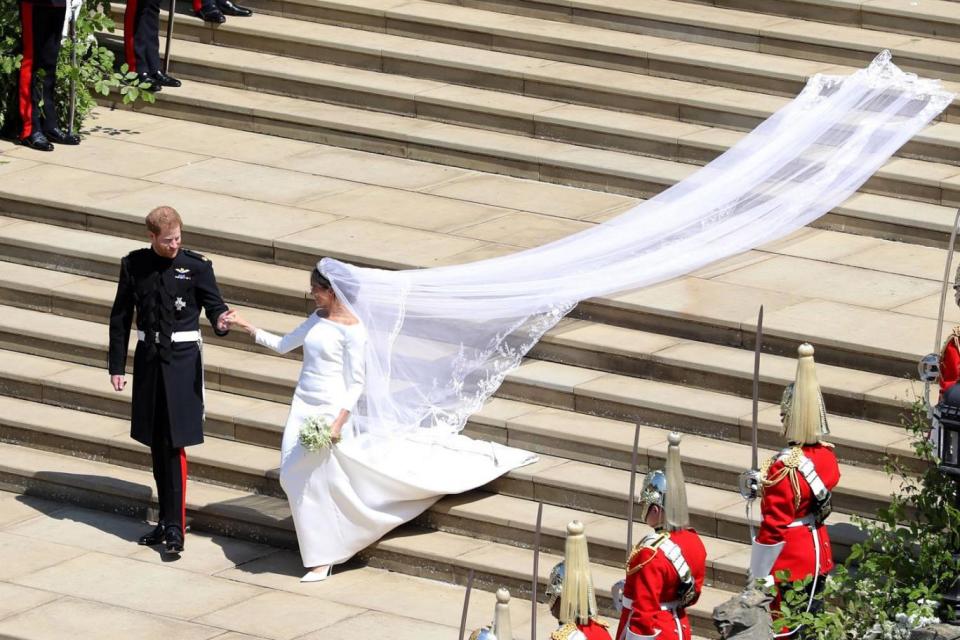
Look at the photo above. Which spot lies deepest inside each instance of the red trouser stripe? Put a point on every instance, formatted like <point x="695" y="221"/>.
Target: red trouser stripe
<point x="129" y="31"/>
<point x="26" y="70"/>
<point x="197" y="4"/>
<point x="183" y="494"/>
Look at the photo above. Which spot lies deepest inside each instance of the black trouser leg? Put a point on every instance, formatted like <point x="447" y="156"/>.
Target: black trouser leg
<point x="49" y="27"/>
<point x="141" y="35"/>
<point x="169" y="467"/>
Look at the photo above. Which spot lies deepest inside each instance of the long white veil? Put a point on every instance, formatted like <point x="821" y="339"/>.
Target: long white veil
<point x="442" y="339"/>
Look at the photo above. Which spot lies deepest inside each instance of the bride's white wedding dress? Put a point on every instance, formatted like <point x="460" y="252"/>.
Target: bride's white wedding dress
<point x="347" y="498"/>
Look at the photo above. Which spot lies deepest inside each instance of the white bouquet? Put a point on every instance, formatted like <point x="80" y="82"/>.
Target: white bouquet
<point x="315" y="434"/>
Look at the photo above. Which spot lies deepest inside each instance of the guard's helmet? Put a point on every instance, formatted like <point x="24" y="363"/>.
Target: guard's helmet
<point x="929" y="368"/>
<point x="653" y="492"/>
<point x="802" y="409"/>
<point x="667" y="489"/>
<point x="555" y="583"/>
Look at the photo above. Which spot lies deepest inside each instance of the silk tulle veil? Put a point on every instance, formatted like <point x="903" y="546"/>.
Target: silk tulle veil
<point x="442" y="339"/>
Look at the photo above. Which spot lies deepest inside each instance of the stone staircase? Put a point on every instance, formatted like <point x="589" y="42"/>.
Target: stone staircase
<point x="622" y="97"/>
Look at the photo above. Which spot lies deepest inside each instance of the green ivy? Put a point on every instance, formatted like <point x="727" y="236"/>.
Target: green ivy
<point x="893" y="580"/>
<point x="96" y="71"/>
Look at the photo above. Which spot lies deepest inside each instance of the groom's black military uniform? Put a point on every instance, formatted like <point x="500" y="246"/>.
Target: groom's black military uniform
<point x="167" y="414"/>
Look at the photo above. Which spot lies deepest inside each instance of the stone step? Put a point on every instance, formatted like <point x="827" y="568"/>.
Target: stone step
<point x="938" y="18"/>
<point x="691" y="75"/>
<point x="497" y="517"/>
<point x="495" y="151"/>
<point x="670" y="56"/>
<point x="572" y="389"/>
<point x="631" y="352"/>
<point x="660" y="137"/>
<point x="902" y="295"/>
<point x="252" y="468"/>
<point x="265" y="519"/>
<point x="842" y="42"/>
<point x="246" y="419"/>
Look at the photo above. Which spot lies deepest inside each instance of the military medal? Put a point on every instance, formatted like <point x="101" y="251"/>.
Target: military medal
<point x="179" y="303"/>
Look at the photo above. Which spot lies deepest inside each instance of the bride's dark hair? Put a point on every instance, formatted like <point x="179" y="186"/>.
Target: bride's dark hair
<point x="317" y="279"/>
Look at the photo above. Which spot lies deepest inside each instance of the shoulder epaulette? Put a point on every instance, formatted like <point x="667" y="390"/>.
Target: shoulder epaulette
<point x="568" y="631"/>
<point x="651" y="541"/>
<point x="194" y="254"/>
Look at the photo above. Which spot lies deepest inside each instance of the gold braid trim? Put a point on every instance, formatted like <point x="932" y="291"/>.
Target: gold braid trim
<point x="653" y="545"/>
<point x="600" y="622"/>
<point x="565" y="632"/>
<point x="791" y="461"/>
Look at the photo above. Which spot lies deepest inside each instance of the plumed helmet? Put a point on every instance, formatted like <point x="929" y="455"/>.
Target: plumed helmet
<point x="667" y="489"/>
<point x="555" y="583"/>
<point x="802" y="409"/>
<point x="653" y="492"/>
<point x="484" y="633"/>
<point x="578" y="602"/>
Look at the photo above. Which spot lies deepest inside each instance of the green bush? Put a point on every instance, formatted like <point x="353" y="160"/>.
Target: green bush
<point x="893" y="581"/>
<point x="96" y="71"/>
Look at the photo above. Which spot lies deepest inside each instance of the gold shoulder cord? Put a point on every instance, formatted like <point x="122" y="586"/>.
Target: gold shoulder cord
<point x="790" y="464"/>
<point x="654" y="545"/>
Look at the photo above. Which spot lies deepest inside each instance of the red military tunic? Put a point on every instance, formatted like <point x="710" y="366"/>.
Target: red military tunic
<point x="779" y="507"/>
<point x="950" y="362"/>
<point x="594" y="630"/>
<point x="652" y="581"/>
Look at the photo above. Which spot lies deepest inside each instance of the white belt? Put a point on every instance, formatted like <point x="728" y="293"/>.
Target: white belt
<point x="627" y="602"/>
<point x="670" y="606"/>
<point x="806" y="521"/>
<point x="177" y="336"/>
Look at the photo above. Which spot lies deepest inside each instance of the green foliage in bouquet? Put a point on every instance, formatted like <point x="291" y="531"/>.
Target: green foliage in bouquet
<point x="315" y="434"/>
<point x="894" y="579"/>
<point x="95" y="73"/>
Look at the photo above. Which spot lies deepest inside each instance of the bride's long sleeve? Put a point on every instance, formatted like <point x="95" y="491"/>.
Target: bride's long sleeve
<point x="353" y="371"/>
<point x="288" y="342"/>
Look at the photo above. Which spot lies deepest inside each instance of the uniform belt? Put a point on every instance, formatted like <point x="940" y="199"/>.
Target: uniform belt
<point x="670" y="606"/>
<point x="627" y="602"/>
<point x="177" y="336"/>
<point x="806" y="521"/>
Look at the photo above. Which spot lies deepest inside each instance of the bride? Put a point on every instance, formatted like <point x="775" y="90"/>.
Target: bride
<point x="347" y="497"/>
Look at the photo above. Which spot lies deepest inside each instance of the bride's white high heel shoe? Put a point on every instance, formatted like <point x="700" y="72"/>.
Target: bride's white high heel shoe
<point x="317" y="576"/>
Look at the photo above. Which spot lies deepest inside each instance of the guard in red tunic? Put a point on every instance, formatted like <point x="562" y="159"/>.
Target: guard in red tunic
<point x="666" y="569"/>
<point x="950" y="361"/>
<point x="795" y="491"/>
<point x="570" y="593"/>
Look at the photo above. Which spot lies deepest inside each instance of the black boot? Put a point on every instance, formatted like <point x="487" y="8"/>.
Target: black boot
<point x="61" y="137"/>
<point x="161" y="79"/>
<point x="211" y="14"/>
<point x="148" y="82"/>
<point x="173" y="539"/>
<point x="229" y="8"/>
<point x="38" y="141"/>
<point x="155" y="537"/>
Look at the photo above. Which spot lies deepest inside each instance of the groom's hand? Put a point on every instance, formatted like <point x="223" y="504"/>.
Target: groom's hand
<point x="118" y="382"/>
<point x="223" y="322"/>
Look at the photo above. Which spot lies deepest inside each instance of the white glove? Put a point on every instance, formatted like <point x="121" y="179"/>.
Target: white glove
<point x="73" y="12"/>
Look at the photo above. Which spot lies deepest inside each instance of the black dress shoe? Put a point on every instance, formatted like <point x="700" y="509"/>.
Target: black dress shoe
<point x="161" y="79"/>
<point x="38" y="141"/>
<point x="173" y="539"/>
<point x="148" y="82"/>
<point x="211" y="14"/>
<point x="154" y="537"/>
<point x="229" y="8"/>
<point x="61" y="137"/>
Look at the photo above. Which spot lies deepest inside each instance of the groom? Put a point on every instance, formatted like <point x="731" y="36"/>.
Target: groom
<point x="167" y="286"/>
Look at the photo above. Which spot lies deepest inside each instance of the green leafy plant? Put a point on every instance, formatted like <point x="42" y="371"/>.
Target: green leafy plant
<point x="95" y="73"/>
<point x="893" y="581"/>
